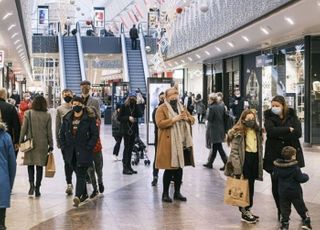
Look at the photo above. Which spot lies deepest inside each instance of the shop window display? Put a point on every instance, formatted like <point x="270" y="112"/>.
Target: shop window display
<point x="252" y="89"/>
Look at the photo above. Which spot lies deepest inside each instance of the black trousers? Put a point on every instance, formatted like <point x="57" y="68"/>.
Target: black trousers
<point x="2" y="217"/>
<point x="200" y="117"/>
<point x="96" y="168"/>
<point x="39" y="174"/>
<point x="217" y="147"/>
<point x="81" y="173"/>
<point x="275" y="193"/>
<point x="117" y="145"/>
<point x="250" y="171"/>
<point x="127" y="152"/>
<point x="68" y="170"/>
<point x="134" y="43"/>
<point x="155" y="171"/>
<point x="298" y="203"/>
<point x="168" y="175"/>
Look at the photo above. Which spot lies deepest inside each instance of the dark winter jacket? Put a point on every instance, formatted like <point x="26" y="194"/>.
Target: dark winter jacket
<point x="115" y="124"/>
<point x="237" y="106"/>
<point x="215" y="132"/>
<point x="85" y="140"/>
<point x="289" y="178"/>
<point x="279" y="136"/>
<point x="134" y="33"/>
<point x="9" y="116"/>
<point x="128" y="128"/>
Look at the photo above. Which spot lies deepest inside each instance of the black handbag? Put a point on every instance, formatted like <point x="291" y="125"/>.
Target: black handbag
<point x="187" y="155"/>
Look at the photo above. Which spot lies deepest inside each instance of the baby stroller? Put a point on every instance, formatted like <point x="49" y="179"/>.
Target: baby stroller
<point x="139" y="151"/>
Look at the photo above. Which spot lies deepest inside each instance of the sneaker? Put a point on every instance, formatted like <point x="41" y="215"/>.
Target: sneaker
<point x="69" y="189"/>
<point x="101" y="188"/>
<point x="255" y="216"/>
<point x="306" y="223"/>
<point x="76" y="201"/>
<point x="94" y="194"/>
<point x="284" y="226"/>
<point x="115" y="157"/>
<point x="84" y="197"/>
<point x="246" y="216"/>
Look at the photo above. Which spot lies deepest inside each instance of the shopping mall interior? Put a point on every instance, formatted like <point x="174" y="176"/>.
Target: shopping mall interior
<point x="255" y="49"/>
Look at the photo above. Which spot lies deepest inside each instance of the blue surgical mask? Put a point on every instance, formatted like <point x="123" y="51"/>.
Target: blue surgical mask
<point x="276" y="110"/>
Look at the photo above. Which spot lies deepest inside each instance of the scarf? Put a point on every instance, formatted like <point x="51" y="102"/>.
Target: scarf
<point x="180" y="137"/>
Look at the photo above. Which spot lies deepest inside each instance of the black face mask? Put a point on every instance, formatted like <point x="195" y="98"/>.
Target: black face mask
<point x="67" y="99"/>
<point x="249" y="124"/>
<point x="174" y="102"/>
<point x="77" y="108"/>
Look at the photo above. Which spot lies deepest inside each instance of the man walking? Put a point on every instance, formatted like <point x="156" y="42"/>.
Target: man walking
<point x="134" y="35"/>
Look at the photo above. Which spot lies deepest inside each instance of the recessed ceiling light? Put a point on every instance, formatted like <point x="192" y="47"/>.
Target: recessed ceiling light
<point x="183" y="61"/>
<point x="18" y="46"/>
<point x="230" y="44"/>
<point x="16" y="41"/>
<point x="190" y="58"/>
<point x="245" y="38"/>
<point x="198" y="56"/>
<point x="264" y="30"/>
<point x="20" y="50"/>
<point x="13" y="35"/>
<point x="207" y="52"/>
<point x="6" y="16"/>
<point x="289" y="20"/>
<point x="218" y="49"/>
<point x="10" y="27"/>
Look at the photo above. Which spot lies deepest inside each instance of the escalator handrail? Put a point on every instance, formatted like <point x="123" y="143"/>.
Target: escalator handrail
<point x="80" y="52"/>
<point x="62" y="72"/>
<point x="124" y="55"/>
<point x="143" y="53"/>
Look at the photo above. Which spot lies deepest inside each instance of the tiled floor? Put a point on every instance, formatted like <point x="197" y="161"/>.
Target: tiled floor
<point x="130" y="202"/>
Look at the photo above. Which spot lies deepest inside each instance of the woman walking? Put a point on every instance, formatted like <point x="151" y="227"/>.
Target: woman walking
<point x="174" y="138"/>
<point x="200" y="108"/>
<point x="246" y="156"/>
<point x="283" y="129"/>
<point x="38" y="120"/>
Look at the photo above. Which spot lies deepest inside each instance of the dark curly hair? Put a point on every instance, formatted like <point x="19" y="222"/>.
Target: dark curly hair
<point x="39" y="103"/>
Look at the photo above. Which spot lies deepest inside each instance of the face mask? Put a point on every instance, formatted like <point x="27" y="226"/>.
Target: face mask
<point x="173" y="102"/>
<point x="85" y="90"/>
<point x="276" y="110"/>
<point x="67" y="99"/>
<point x="77" y="108"/>
<point x="249" y="124"/>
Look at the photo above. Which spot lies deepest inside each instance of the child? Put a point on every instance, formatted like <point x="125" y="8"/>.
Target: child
<point x="290" y="192"/>
<point x="7" y="172"/>
<point x="246" y="156"/>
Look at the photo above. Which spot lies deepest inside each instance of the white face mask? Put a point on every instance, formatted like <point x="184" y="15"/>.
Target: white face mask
<point x="276" y="110"/>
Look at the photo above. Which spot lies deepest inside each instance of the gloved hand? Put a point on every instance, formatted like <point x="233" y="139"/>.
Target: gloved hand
<point x="50" y="149"/>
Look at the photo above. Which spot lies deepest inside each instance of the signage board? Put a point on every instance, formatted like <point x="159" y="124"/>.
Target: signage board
<point x="265" y="60"/>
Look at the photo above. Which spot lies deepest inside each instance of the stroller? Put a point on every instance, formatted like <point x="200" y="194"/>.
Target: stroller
<point x="139" y="151"/>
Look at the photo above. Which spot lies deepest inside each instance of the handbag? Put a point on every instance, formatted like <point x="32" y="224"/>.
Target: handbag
<point x="236" y="192"/>
<point x="51" y="166"/>
<point x="188" y="157"/>
<point x="27" y="145"/>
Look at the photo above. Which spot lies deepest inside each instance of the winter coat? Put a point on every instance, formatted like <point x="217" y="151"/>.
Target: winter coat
<point x="126" y="127"/>
<point x="289" y="178"/>
<point x="83" y="143"/>
<point x="7" y="167"/>
<point x="115" y="124"/>
<point x="279" y="136"/>
<point x="133" y="33"/>
<point x="94" y="103"/>
<point x="41" y="128"/>
<point x="9" y="116"/>
<point x="155" y="127"/>
<point x="61" y="111"/>
<point x="200" y="106"/>
<point x="164" y="123"/>
<point x="237" y="106"/>
<point x="236" y="159"/>
<point x="215" y="132"/>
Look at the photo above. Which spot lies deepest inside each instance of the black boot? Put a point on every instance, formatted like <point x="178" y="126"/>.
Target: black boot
<point x="31" y="190"/>
<point x="177" y="194"/>
<point x="154" y="181"/>
<point x="223" y="168"/>
<point x="166" y="198"/>
<point x="2" y="219"/>
<point x="37" y="192"/>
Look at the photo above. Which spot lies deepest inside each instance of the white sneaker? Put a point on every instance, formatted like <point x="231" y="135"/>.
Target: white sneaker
<point x="69" y="189"/>
<point x="115" y="157"/>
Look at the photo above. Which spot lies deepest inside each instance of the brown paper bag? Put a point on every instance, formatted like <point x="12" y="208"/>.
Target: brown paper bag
<point x="236" y="192"/>
<point x="51" y="167"/>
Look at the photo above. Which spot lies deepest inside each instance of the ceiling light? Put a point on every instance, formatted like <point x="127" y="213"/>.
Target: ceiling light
<point x="218" y="49"/>
<point x="230" y="44"/>
<point x="10" y="27"/>
<point x="183" y="61"/>
<point x="16" y="42"/>
<point x="245" y="38"/>
<point x="176" y="63"/>
<point x="264" y="30"/>
<point x="20" y="50"/>
<point x="289" y="20"/>
<point x="6" y="16"/>
<point x="318" y="2"/>
<point x="13" y="35"/>
<point x="190" y="59"/>
<point x="207" y="52"/>
<point x="198" y="56"/>
<point x="18" y="46"/>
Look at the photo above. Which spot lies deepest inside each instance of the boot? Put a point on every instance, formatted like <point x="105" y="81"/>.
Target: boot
<point x="166" y="198"/>
<point x="31" y="190"/>
<point x="223" y="168"/>
<point x="37" y="192"/>
<point x="177" y="194"/>
<point x="154" y="181"/>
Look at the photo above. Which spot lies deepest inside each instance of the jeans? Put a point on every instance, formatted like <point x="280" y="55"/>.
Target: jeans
<point x="96" y="168"/>
<point x="68" y="170"/>
<point x="168" y="175"/>
<point x="39" y="174"/>
<point x="298" y="203"/>
<point x="127" y="152"/>
<point x="217" y="147"/>
<point x="117" y="145"/>
<point x="81" y="173"/>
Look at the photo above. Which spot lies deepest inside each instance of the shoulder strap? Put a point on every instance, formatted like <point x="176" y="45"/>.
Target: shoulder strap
<point x="30" y="125"/>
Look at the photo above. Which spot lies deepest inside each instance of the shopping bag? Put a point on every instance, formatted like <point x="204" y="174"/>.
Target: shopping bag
<point x="236" y="192"/>
<point x="51" y="167"/>
<point x="26" y="145"/>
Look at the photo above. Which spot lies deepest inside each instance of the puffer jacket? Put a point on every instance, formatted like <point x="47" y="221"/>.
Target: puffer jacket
<point x="234" y="166"/>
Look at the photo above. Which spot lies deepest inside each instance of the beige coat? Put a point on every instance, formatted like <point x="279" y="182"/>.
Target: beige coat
<point x="164" y="124"/>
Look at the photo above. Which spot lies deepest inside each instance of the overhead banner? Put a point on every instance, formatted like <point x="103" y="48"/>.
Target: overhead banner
<point x="99" y="16"/>
<point x="1" y="59"/>
<point x="43" y="19"/>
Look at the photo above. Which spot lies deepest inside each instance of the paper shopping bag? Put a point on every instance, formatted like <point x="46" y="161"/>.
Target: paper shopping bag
<point x="51" y="167"/>
<point x="236" y="192"/>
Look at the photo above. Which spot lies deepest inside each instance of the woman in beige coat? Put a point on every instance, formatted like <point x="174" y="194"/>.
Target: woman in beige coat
<point x="174" y="137"/>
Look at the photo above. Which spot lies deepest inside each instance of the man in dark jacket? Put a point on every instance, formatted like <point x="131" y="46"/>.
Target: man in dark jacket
<point x="128" y="116"/>
<point x="237" y="103"/>
<point x="155" y="170"/>
<point x="16" y="97"/>
<point x="78" y="137"/>
<point x="116" y="132"/>
<point x="9" y="116"/>
<point x="289" y="177"/>
<point x="134" y="35"/>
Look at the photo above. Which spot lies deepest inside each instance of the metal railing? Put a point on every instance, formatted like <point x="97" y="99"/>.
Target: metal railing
<point x="124" y="54"/>
<point x="80" y="53"/>
<point x="143" y="52"/>
<point x="63" y="82"/>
